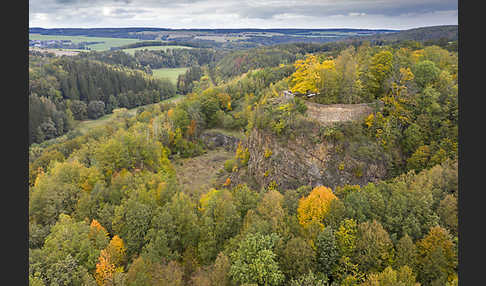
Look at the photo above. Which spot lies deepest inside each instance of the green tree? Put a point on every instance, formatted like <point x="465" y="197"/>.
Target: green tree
<point x="178" y="219"/>
<point x="70" y="245"/>
<point x="157" y="246"/>
<point x="220" y="221"/>
<point x="48" y="129"/>
<point x="436" y="258"/>
<point x="271" y="211"/>
<point x="96" y="109"/>
<point x="327" y="251"/>
<point x="309" y="279"/>
<point x="379" y="70"/>
<point x="245" y="199"/>
<point x="139" y="273"/>
<point x="425" y="73"/>
<point x="448" y="213"/>
<point x="255" y="262"/>
<point x="57" y="191"/>
<point x="79" y="109"/>
<point x="297" y="258"/>
<point x="219" y="274"/>
<point x="406" y="252"/>
<point x="390" y="277"/>
<point x="346" y="237"/>
<point x="413" y="137"/>
<point x="349" y="83"/>
<point x="66" y="271"/>
<point x="374" y="248"/>
<point x="131" y="222"/>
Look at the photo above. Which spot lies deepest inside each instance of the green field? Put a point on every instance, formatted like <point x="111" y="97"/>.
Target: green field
<point x="170" y="73"/>
<point x="154" y="48"/>
<point x="106" y="45"/>
<point x="85" y="125"/>
<point x="70" y="50"/>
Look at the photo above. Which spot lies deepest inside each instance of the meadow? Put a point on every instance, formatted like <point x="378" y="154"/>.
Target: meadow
<point x="170" y="73"/>
<point x="106" y="45"/>
<point x="85" y="125"/>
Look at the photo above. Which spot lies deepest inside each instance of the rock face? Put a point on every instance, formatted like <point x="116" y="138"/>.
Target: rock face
<point x="311" y="157"/>
<point x="214" y="139"/>
<point x="300" y="161"/>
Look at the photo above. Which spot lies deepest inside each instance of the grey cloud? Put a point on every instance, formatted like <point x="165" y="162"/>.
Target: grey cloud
<point x="139" y="3"/>
<point x="70" y="2"/>
<point x="254" y="10"/>
<point x="55" y="6"/>
<point x="122" y="13"/>
<point x="344" y="7"/>
<point x="129" y="11"/>
<point x="269" y="9"/>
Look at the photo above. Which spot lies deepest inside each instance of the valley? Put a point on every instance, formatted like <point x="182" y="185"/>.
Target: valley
<point x="154" y="164"/>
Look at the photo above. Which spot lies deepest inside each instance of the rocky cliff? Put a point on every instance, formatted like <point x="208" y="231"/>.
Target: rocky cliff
<point x="300" y="161"/>
<point x="316" y="156"/>
<point x="214" y="139"/>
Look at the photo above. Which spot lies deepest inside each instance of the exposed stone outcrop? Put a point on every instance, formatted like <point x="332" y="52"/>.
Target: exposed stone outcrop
<point x="300" y="162"/>
<point x="214" y="139"/>
<point x="310" y="157"/>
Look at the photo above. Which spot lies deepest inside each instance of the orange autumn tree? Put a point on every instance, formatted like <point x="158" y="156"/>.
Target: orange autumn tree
<point x="111" y="260"/>
<point x="98" y="234"/>
<point x="117" y="250"/>
<point x="170" y="112"/>
<point x="104" y="269"/>
<point x="96" y="227"/>
<point x="314" y="207"/>
<point x="191" y="129"/>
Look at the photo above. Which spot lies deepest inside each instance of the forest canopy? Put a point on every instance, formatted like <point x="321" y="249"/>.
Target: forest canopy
<point x="107" y="207"/>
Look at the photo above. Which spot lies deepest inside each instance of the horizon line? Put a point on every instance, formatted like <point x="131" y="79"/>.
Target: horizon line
<point x="247" y="28"/>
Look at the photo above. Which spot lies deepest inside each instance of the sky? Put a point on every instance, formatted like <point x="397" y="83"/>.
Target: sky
<point x="265" y="14"/>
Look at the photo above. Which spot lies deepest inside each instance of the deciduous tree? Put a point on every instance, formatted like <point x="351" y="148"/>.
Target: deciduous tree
<point x="314" y="207"/>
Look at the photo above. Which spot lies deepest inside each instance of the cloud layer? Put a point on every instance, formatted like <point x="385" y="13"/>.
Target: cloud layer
<point x="371" y="14"/>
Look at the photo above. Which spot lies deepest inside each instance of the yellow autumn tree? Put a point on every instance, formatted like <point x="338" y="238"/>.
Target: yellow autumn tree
<point x="306" y="75"/>
<point x="224" y="101"/>
<point x="206" y="197"/>
<point x="312" y="76"/>
<point x="95" y="227"/>
<point x="89" y="177"/>
<point x="170" y="112"/>
<point x="227" y="182"/>
<point x="436" y="258"/>
<point x="117" y="251"/>
<point x="110" y="261"/>
<point x="191" y="129"/>
<point x="104" y="269"/>
<point x="242" y="155"/>
<point x="314" y="207"/>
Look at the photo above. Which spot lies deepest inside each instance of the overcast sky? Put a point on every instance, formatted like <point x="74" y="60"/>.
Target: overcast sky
<point x="367" y="14"/>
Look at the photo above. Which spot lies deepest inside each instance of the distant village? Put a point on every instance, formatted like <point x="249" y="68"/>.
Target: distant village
<point x="60" y="44"/>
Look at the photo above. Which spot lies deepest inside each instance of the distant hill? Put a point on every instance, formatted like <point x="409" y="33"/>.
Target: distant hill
<point x="135" y="32"/>
<point x="249" y="38"/>
<point x="218" y="38"/>
<point x="449" y="32"/>
<point x="94" y="32"/>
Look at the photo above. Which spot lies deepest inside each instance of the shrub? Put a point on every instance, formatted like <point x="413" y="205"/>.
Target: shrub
<point x="229" y="165"/>
<point x="96" y="109"/>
